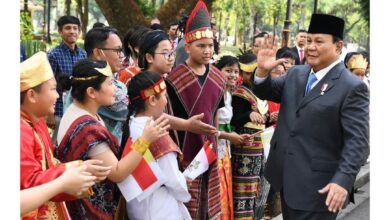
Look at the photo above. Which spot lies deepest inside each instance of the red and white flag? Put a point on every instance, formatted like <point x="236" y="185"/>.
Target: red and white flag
<point x="144" y="180"/>
<point x="201" y="162"/>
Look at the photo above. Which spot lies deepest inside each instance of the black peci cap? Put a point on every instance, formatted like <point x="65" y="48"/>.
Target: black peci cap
<point x="326" y="24"/>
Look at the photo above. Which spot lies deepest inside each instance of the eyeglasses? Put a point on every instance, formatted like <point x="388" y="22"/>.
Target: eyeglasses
<point x="168" y="55"/>
<point x="118" y="51"/>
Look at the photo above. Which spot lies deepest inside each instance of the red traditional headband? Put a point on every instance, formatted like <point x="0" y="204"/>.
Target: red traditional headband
<point x="155" y="89"/>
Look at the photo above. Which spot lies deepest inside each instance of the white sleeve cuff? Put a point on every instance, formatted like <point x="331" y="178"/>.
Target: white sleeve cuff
<point x="257" y="80"/>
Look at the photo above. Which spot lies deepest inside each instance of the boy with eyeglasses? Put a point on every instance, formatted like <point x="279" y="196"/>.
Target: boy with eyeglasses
<point x="62" y="59"/>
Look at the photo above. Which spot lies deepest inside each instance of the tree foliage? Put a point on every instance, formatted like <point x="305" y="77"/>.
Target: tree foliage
<point x="241" y="18"/>
<point x="237" y="20"/>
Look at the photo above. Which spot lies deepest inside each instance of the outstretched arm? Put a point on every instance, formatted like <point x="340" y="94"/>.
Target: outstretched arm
<point x="124" y="167"/>
<point x="193" y="124"/>
<point x="74" y="181"/>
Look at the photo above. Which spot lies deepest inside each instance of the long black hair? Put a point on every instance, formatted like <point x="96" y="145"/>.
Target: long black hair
<point x="134" y="37"/>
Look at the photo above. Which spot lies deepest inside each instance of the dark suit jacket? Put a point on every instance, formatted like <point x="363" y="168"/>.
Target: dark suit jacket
<point x="296" y="52"/>
<point x="319" y="138"/>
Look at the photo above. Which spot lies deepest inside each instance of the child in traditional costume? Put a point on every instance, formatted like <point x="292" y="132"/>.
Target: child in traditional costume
<point x="82" y="134"/>
<point x="148" y="100"/>
<point x="156" y="55"/>
<point x="197" y="87"/>
<point x="250" y="188"/>
<point x="229" y="66"/>
<point x="38" y="166"/>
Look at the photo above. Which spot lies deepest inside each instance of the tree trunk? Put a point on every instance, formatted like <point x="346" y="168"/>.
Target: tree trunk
<point x="169" y="12"/>
<point x="315" y="6"/>
<point x="67" y="6"/>
<point x="219" y="25"/>
<point x="122" y="14"/>
<point x="255" y="23"/>
<point x="25" y="7"/>
<point x="82" y="10"/>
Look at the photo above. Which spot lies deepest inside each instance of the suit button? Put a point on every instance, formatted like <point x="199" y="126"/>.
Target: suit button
<point x="292" y="134"/>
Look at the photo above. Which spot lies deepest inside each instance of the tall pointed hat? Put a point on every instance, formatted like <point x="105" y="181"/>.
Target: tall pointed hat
<point x="198" y="24"/>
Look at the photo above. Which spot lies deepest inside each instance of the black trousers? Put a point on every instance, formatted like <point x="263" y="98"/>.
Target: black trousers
<point x="294" y="214"/>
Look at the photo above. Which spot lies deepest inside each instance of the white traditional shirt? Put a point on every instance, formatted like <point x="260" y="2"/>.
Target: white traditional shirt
<point x="225" y="115"/>
<point x="167" y="201"/>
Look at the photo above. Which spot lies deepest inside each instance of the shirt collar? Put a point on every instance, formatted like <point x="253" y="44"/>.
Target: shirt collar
<point x="64" y="46"/>
<point x="321" y="73"/>
<point x="303" y="48"/>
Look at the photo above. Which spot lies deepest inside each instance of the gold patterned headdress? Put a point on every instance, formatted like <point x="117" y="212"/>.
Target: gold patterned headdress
<point x="247" y="62"/>
<point x="248" y="67"/>
<point x="217" y="57"/>
<point x="357" y="62"/>
<point x="155" y="89"/>
<point x="198" y="25"/>
<point x="35" y="71"/>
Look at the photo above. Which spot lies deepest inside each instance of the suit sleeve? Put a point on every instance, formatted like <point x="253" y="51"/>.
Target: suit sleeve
<point x="355" y="122"/>
<point x="241" y="111"/>
<point x="270" y="89"/>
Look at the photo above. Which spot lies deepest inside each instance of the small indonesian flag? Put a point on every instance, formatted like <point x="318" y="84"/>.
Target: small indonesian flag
<point x="145" y="179"/>
<point x="201" y="162"/>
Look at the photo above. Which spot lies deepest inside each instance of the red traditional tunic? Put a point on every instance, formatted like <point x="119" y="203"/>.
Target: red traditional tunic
<point x="126" y="74"/>
<point x="38" y="166"/>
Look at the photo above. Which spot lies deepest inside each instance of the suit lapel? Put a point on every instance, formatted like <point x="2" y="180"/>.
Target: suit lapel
<point x="325" y="84"/>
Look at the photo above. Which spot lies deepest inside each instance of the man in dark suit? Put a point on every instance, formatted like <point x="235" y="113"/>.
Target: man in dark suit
<point x="299" y="49"/>
<point x="321" y="139"/>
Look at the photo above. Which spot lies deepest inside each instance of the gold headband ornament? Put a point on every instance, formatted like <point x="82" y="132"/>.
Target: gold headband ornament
<point x="106" y="71"/>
